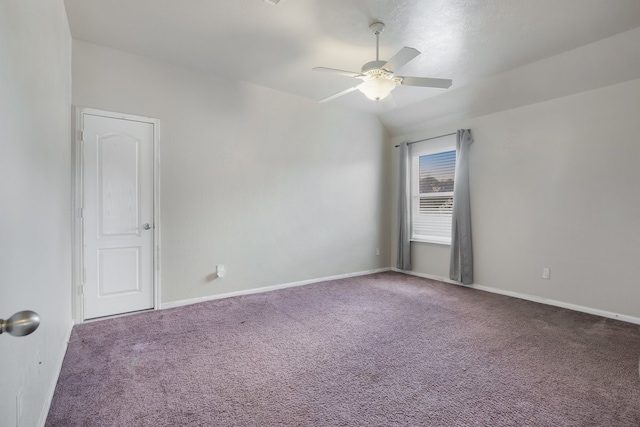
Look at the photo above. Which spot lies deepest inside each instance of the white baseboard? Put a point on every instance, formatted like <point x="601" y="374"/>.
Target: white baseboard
<point x="534" y="298"/>
<point x="56" y="375"/>
<point x="181" y="303"/>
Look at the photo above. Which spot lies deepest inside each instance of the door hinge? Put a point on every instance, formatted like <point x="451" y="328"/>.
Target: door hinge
<point x="81" y="136"/>
<point x="81" y="212"/>
<point x="84" y="276"/>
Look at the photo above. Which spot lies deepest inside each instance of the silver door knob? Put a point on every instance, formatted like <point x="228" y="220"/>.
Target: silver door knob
<point x="146" y="226"/>
<point x="20" y="324"/>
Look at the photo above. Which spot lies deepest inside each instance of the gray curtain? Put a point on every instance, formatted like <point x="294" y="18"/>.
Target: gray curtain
<point x="461" y="265"/>
<point x="404" y="213"/>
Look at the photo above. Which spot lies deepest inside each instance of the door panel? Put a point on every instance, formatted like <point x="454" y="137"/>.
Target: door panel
<point x="118" y="271"/>
<point x="118" y="202"/>
<point x="118" y="185"/>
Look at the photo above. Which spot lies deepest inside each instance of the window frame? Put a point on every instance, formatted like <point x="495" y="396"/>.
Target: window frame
<point x="439" y="145"/>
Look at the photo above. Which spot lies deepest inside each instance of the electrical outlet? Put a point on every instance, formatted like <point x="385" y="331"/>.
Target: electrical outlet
<point x="221" y="271"/>
<point x="377" y="251"/>
<point x="546" y="273"/>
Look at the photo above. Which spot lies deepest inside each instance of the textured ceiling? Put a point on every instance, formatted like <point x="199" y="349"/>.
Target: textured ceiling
<point x="276" y="46"/>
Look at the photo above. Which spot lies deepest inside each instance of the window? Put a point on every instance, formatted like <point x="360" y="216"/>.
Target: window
<point x="432" y="177"/>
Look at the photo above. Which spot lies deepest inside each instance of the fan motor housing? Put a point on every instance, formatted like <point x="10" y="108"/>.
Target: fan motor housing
<point x="376" y="66"/>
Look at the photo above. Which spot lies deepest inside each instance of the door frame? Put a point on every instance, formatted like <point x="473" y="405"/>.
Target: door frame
<point x="77" y="189"/>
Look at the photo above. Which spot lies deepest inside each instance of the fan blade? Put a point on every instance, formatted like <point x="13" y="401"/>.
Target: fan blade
<point x="426" y="82"/>
<point x="344" y="92"/>
<point x="400" y="59"/>
<point x="336" y="71"/>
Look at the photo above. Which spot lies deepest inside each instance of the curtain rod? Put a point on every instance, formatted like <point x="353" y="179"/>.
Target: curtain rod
<point x="427" y="139"/>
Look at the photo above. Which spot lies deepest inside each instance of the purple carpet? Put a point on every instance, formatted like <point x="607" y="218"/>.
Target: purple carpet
<point x="379" y="350"/>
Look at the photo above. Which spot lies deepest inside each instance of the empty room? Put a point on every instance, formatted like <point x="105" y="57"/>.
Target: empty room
<point x="320" y="213"/>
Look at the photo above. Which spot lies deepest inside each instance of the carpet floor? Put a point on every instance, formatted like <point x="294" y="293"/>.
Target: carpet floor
<point x="380" y="350"/>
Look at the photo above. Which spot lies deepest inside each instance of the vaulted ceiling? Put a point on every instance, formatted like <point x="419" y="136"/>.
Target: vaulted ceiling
<point x="277" y="46"/>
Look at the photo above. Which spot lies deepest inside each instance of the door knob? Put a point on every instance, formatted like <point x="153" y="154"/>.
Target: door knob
<point x="146" y="226"/>
<point x="20" y="324"/>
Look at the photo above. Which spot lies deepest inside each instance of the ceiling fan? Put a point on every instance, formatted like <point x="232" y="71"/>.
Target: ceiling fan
<point x="378" y="76"/>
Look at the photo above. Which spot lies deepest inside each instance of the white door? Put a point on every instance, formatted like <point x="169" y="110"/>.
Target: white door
<point x="118" y="215"/>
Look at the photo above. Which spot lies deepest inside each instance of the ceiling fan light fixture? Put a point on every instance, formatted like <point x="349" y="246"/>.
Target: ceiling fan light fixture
<point x="379" y="76"/>
<point x="377" y="88"/>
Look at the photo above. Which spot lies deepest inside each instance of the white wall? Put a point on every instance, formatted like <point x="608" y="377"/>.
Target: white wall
<point x="555" y="184"/>
<point x="553" y="175"/>
<point x="35" y="176"/>
<point x="275" y="187"/>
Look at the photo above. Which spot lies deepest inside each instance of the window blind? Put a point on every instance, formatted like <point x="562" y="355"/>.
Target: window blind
<point x="432" y="196"/>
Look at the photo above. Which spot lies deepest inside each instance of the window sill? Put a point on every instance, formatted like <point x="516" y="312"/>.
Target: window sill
<point x="436" y="242"/>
